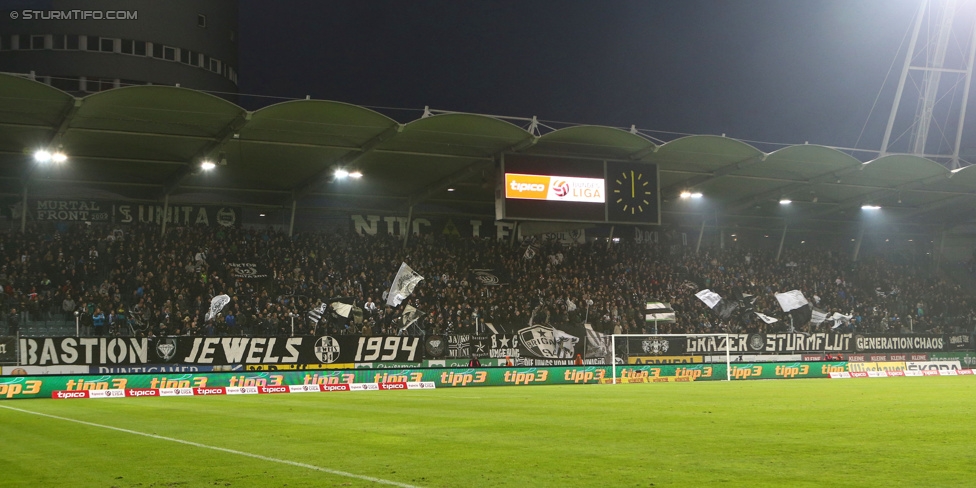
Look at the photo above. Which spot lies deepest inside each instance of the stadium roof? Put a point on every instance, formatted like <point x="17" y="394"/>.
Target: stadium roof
<point x="144" y="142"/>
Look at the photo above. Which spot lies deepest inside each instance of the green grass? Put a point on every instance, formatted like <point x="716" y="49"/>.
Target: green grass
<point x="862" y="432"/>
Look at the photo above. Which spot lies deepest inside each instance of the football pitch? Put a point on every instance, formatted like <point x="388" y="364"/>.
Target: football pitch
<point x="856" y="432"/>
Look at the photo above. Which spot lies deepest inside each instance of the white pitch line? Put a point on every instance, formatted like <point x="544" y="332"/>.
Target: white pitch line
<point x="222" y="449"/>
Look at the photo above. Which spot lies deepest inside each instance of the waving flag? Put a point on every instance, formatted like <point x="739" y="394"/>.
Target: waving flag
<point x="216" y="305"/>
<point x="403" y="284"/>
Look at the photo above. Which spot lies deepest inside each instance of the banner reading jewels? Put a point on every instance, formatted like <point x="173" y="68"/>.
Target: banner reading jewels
<point x="217" y="351"/>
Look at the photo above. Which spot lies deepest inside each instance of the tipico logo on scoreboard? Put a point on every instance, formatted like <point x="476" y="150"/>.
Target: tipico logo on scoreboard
<point x="554" y="188"/>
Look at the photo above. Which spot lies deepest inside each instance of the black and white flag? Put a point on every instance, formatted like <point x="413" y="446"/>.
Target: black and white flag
<point x="817" y="316"/>
<point x="659" y="312"/>
<point x="315" y="314"/>
<point x="343" y="309"/>
<point x="216" y="305"/>
<point x="403" y="284"/>
<point x="791" y="300"/>
<point x="709" y="297"/>
<point x="530" y="247"/>
<point x="767" y="318"/>
<point x="839" y="319"/>
<point x="409" y="316"/>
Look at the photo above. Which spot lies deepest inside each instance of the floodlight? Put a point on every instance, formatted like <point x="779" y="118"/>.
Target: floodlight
<point x="59" y="157"/>
<point x="696" y="195"/>
<point x="870" y="207"/>
<point x="785" y="201"/>
<point x="42" y="156"/>
<point x="207" y="165"/>
<point x="341" y="173"/>
<point x="355" y="174"/>
<point x="685" y="194"/>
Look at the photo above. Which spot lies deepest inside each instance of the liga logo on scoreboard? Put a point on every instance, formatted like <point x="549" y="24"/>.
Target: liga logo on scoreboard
<point x="554" y="188"/>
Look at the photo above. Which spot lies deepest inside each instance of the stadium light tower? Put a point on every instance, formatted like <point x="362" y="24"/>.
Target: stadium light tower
<point x="942" y="70"/>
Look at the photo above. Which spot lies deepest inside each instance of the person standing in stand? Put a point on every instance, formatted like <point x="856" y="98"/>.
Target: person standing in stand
<point x="474" y="363"/>
<point x="13" y="322"/>
<point x="98" y="322"/>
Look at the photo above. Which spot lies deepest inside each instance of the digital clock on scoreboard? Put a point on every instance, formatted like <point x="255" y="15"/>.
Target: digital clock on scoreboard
<point x="577" y="190"/>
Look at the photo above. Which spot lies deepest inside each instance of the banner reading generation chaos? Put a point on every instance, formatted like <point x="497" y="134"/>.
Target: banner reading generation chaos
<point x="12" y="387"/>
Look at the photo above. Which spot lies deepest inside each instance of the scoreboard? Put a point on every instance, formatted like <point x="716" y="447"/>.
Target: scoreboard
<point x="577" y="190"/>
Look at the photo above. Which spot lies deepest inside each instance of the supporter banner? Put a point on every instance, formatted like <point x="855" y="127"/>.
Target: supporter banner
<point x="189" y="215"/>
<point x="73" y="210"/>
<point x="535" y="345"/>
<point x="8" y="349"/>
<point x="865" y="343"/>
<point x="217" y="351"/>
<point x="489" y="276"/>
<point x="249" y="271"/>
<point x="128" y="213"/>
<point x="959" y="342"/>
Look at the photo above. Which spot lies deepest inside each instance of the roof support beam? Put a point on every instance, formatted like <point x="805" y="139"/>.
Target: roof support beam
<point x="446" y="182"/>
<point x="66" y="117"/>
<point x="859" y="200"/>
<point x="142" y="134"/>
<point x="718" y="173"/>
<point x="229" y="130"/>
<point x="823" y="178"/>
<point x="348" y="159"/>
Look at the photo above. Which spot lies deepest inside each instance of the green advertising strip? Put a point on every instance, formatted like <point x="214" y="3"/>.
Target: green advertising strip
<point x="43" y="386"/>
<point x="966" y="359"/>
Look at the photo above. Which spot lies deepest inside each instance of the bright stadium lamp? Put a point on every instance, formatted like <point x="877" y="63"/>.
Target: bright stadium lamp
<point x="870" y="207"/>
<point x="42" y="156"/>
<point x="341" y="173"/>
<point x="355" y="174"/>
<point x="685" y="194"/>
<point x="785" y="201"/>
<point x="207" y="165"/>
<point x="59" y="157"/>
<point x="697" y="194"/>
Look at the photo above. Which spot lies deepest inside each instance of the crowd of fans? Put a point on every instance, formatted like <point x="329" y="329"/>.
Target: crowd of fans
<point x="133" y="281"/>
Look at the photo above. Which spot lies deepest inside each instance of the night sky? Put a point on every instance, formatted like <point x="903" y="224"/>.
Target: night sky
<point x="759" y="70"/>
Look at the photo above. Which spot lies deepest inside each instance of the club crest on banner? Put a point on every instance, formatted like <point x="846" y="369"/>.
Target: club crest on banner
<point x="436" y="346"/>
<point x="327" y="349"/>
<point x="654" y="346"/>
<point x="166" y="349"/>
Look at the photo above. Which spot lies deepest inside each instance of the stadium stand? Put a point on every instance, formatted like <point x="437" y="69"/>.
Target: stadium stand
<point x="147" y="286"/>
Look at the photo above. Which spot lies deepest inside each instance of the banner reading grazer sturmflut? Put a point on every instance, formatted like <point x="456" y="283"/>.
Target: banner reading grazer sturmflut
<point x="217" y="351"/>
